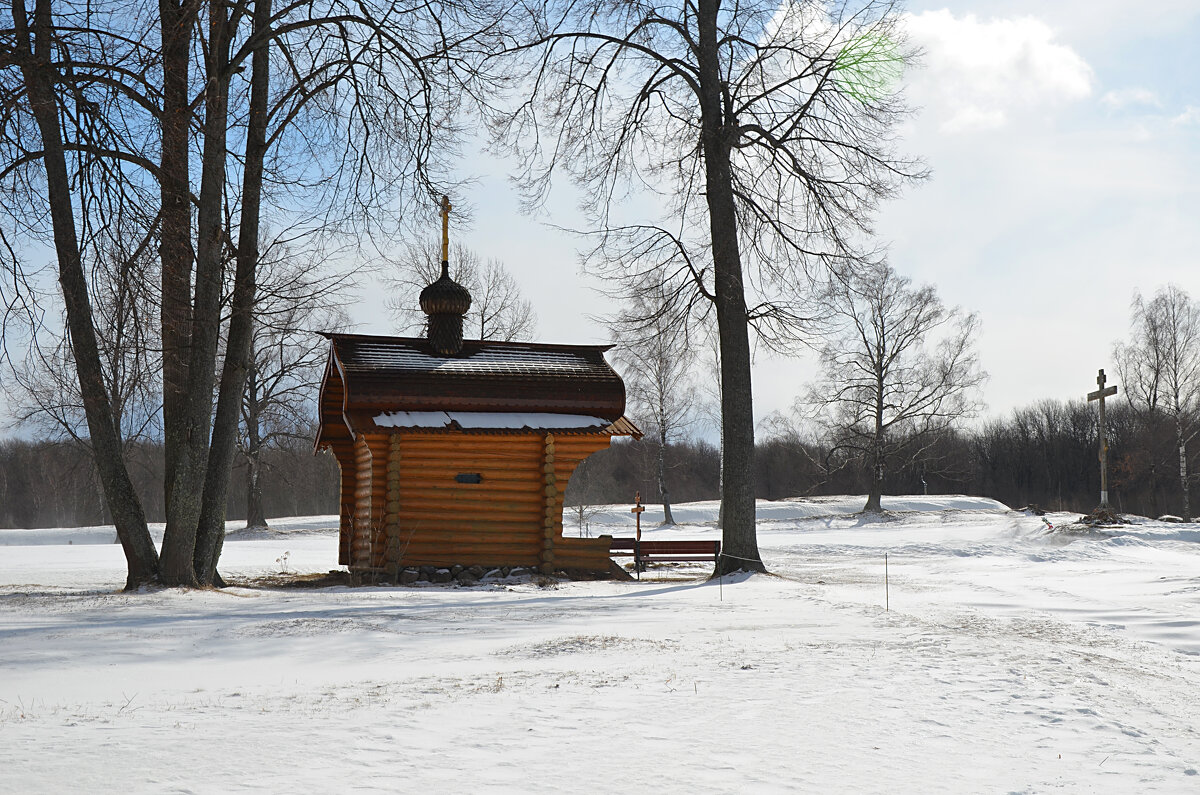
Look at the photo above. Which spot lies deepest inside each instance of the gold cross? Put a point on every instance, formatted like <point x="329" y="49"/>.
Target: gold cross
<point x="445" y="229"/>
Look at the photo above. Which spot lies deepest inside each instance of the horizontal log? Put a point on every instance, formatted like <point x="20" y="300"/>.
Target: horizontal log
<point x="495" y="462"/>
<point x="530" y="495"/>
<point x="493" y="522"/>
<point x="449" y="494"/>
<point x="451" y="551"/>
<point x="468" y="541"/>
<point x="458" y="554"/>
<point x="488" y="487"/>
<point x="526" y="467"/>
<point x="499" y="439"/>
<point x="501" y="480"/>
<point x="503" y="450"/>
<point x="451" y="465"/>
<point x="439" y="541"/>
<point x="476" y="523"/>
<point x="478" y="520"/>
<point x="475" y="559"/>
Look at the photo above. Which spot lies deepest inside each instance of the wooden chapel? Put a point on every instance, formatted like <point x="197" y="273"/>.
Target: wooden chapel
<point x="458" y="452"/>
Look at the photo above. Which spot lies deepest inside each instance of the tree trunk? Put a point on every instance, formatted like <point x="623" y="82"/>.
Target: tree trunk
<point x="1183" y="473"/>
<point x="739" y="546"/>
<point x="123" y="503"/>
<point x="255" y="516"/>
<point x="662" y="476"/>
<point x="186" y="499"/>
<point x="238" y="351"/>
<point x="875" y="495"/>
<point x="176" y="19"/>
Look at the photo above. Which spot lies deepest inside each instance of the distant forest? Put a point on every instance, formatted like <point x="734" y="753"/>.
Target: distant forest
<point x="1043" y="455"/>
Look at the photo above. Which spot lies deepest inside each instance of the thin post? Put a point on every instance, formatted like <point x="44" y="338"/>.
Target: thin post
<point x="887" y="592"/>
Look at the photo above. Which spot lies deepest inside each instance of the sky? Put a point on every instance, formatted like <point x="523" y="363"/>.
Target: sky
<point x="1064" y="144"/>
<point x="1063" y="141"/>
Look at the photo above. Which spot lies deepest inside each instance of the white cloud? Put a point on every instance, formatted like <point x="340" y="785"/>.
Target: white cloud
<point x="973" y="119"/>
<point x="1126" y="97"/>
<point x="1189" y="117"/>
<point x="978" y="73"/>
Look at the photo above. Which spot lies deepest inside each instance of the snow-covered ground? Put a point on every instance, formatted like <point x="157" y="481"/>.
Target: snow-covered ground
<point x="1001" y="657"/>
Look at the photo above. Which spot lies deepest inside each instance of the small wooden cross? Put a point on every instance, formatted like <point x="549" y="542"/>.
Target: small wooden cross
<point x="1099" y="395"/>
<point x="637" y="510"/>
<point x="445" y="229"/>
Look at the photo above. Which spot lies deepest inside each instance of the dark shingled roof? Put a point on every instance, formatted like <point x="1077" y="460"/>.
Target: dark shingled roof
<point x="371" y="374"/>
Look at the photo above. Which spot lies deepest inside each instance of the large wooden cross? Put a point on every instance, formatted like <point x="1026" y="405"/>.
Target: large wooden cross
<point x="1099" y="395"/>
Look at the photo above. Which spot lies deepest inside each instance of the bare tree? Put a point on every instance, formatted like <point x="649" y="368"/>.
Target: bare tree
<point x="44" y="389"/>
<point x="39" y="129"/>
<point x="886" y="386"/>
<point x="498" y="309"/>
<point x="656" y="361"/>
<point x="765" y="131"/>
<point x="321" y="109"/>
<point x="296" y="299"/>
<point x="1160" y="369"/>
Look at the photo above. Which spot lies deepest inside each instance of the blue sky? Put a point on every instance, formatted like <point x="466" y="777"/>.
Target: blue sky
<point x="1064" y="140"/>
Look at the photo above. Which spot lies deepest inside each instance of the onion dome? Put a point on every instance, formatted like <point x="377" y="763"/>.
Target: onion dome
<point x="445" y="302"/>
<point x="445" y="296"/>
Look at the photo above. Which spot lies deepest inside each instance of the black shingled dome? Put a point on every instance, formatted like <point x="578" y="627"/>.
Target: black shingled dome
<point x="445" y="302"/>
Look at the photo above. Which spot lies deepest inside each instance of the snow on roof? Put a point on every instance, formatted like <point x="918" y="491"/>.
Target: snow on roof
<point x="487" y="419"/>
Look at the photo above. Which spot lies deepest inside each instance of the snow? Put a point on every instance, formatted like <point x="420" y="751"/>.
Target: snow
<point x="1007" y="659"/>
<point x="486" y="419"/>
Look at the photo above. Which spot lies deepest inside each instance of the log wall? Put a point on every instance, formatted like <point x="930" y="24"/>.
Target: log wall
<point x="370" y="463"/>
<point x="344" y="453"/>
<point x="421" y="515"/>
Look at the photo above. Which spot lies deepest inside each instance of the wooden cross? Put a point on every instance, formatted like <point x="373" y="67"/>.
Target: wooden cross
<point x="445" y="229"/>
<point x="637" y="510"/>
<point x="1099" y="395"/>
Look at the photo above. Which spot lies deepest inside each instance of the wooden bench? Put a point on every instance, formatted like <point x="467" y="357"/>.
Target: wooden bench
<point x="665" y="551"/>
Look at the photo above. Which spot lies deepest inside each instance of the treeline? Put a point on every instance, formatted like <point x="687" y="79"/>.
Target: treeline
<point x="54" y="484"/>
<point x="1044" y="455"/>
